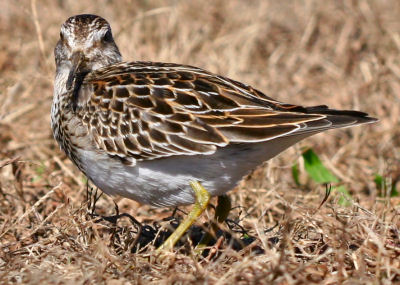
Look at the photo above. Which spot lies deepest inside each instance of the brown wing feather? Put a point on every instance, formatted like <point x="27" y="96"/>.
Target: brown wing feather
<point x="150" y="110"/>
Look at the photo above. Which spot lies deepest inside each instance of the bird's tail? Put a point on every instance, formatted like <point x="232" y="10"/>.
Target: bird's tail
<point x="332" y="119"/>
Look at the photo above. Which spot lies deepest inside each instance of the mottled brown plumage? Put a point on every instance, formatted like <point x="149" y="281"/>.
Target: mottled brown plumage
<point x="146" y="110"/>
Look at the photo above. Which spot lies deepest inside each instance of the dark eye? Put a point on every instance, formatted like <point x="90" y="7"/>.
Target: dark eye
<point x="108" y="37"/>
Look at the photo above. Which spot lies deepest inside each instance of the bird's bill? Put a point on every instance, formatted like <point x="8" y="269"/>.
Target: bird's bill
<point x="78" y="65"/>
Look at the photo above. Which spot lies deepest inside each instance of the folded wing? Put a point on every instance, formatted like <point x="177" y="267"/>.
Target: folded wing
<point x="144" y="110"/>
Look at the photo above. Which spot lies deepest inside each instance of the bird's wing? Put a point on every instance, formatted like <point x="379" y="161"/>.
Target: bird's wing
<point x="144" y="110"/>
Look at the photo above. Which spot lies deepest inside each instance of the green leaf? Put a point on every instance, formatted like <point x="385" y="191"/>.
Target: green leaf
<point x="40" y="169"/>
<point x="296" y="174"/>
<point x="394" y="192"/>
<point x="317" y="171"/>
<point x="320" y="174"/>
<point x="383" y="184"/>
<point x="345" y="196"/>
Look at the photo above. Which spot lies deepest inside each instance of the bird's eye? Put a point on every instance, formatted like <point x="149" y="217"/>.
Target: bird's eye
<point x="108" y="37"/>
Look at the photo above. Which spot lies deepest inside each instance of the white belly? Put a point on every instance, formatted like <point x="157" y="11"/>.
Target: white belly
<point x="165" y="182"/>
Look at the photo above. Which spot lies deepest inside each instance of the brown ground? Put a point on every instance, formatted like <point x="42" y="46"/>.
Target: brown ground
<point x="341" y="53"/>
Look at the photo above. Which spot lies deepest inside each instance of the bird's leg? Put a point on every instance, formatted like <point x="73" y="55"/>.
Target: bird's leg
<point x="223" y="208"/>
<point x="202" y="199"/>
<point x="91" y="199"/>
<point x="221" y="213"/>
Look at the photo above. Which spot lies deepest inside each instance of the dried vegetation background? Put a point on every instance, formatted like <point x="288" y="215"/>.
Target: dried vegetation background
<point x="341" y="53"/>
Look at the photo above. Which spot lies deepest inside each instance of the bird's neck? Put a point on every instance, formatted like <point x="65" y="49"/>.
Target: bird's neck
<point x="63" y="71"/>
<point x="63" y="97"/>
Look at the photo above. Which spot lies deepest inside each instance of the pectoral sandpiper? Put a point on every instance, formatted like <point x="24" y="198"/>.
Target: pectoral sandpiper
<point x="167" y="134"/>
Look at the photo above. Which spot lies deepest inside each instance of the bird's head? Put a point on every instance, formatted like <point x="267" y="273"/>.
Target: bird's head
<point x="86" y="43"/>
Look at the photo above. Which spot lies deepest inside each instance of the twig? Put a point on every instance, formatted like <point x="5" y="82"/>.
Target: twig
<point x="39" y="33"/>
<point x="40" y="201"/>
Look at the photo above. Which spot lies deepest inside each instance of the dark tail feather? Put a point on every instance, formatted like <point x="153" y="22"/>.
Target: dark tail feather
<point x="341" y="118"/>
<point x="334" y="119"/>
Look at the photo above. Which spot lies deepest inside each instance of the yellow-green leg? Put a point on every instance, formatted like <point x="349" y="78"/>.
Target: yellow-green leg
<point x="202" y="199"/>
<point x="221" y="213"/>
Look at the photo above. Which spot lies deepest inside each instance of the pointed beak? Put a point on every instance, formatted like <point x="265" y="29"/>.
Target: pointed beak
<point x="78" y="66"/>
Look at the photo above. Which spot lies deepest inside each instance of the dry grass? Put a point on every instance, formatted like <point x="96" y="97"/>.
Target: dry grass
<point x="341" y="53"/>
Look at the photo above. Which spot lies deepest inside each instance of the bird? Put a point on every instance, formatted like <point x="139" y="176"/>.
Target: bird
<point x="167" y="134"/>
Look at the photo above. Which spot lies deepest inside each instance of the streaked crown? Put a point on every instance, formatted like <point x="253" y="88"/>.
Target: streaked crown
<point x="89" y="36"/>
<point x="85" y="29"/>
